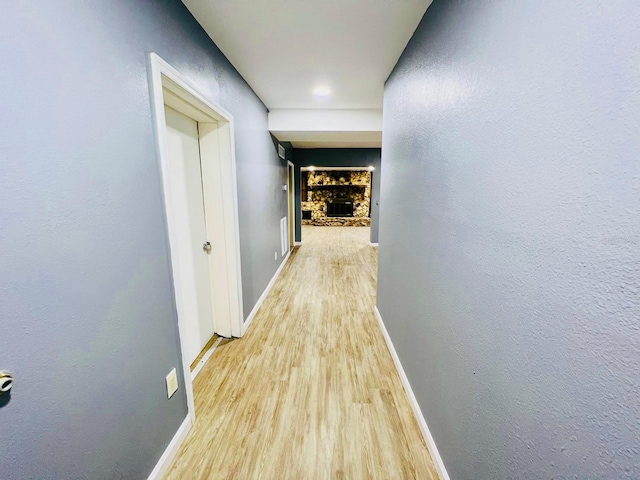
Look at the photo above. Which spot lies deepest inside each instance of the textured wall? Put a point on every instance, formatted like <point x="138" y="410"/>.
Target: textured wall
<point x="86" y="302"/>
<point x="339" y="157"/>
<point x="510" y="235"/>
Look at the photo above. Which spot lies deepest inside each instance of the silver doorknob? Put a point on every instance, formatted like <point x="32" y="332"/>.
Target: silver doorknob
<point x="207" y="247"/>
<point x="6" y="381"/>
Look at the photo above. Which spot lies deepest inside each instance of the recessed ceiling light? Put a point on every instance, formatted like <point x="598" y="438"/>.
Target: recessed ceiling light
<point x="322" y="92"/>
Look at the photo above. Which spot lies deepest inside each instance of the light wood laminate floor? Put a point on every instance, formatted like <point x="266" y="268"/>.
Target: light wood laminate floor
<point x="311" y="391"/>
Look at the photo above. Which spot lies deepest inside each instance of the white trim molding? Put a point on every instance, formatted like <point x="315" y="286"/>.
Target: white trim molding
<point x="205" y="358"/>
<point x="373" y="244"/>
<point x="428" y="438"/>
<point x="291" y="204"/>
<point x="297" y="244"/>
<point x="260" y="301"/>
<point x="172" y="449"/>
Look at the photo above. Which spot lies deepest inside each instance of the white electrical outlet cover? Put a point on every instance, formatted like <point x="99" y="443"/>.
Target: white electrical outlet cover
<point x="172" y="383"/>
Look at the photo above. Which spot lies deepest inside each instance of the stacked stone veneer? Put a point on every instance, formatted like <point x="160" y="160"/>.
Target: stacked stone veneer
<point x="324" y="186"/>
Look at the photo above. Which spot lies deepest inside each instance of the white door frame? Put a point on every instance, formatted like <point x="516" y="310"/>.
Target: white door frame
<point x="291" y="199"/>
<point x="217" y="151"/>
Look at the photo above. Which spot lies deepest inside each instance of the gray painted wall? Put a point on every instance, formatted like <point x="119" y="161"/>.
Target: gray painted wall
<point x="88" y="318"/>
<point x="339" y="157"/>
<point x="509" y="273"/>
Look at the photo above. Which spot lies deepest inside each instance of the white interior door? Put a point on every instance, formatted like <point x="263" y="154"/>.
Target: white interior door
<point x="187" y="200"/>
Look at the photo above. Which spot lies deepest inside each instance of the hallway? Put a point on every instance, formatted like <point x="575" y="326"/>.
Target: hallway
<point x="311" y="391"/>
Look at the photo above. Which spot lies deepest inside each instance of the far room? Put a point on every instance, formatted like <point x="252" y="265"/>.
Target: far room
<point x="338" y="188"/>
<point x="339" y="196"/>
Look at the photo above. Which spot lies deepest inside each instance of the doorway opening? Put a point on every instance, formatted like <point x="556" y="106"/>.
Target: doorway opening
<point x="197" y="161"/>
<point x="335" y="196"/>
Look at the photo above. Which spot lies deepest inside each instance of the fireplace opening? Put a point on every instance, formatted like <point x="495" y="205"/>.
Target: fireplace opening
<point x="340" y="207"/>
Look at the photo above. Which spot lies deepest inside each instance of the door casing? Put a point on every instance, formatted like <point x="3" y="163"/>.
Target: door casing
<point x="219" y="184"/>
<point x="290" y="201"/>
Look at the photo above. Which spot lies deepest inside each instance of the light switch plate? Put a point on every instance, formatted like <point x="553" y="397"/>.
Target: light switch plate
<point x="172" y="383"/>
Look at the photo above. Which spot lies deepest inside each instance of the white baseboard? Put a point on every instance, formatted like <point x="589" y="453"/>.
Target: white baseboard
<point x="205" y="358"/>
<point x="170" y="452"/>
<point x="373" y="244"/>
<point x="297" y="244"/>
<point x="431" y="444"/>
<point x="258" y="304"/>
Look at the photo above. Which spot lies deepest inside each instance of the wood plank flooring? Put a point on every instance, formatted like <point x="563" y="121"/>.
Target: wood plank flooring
<point x="311" y="391"/>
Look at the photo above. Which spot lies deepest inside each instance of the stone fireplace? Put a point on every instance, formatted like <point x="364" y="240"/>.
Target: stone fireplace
<point x="336" y="197"/>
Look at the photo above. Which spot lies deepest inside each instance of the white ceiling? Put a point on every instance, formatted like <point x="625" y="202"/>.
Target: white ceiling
<point x="286" y="48"/>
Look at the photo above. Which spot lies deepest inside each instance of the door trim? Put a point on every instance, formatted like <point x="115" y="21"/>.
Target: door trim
<point x="217" y="150"/>
<point x="291" y="173"/>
